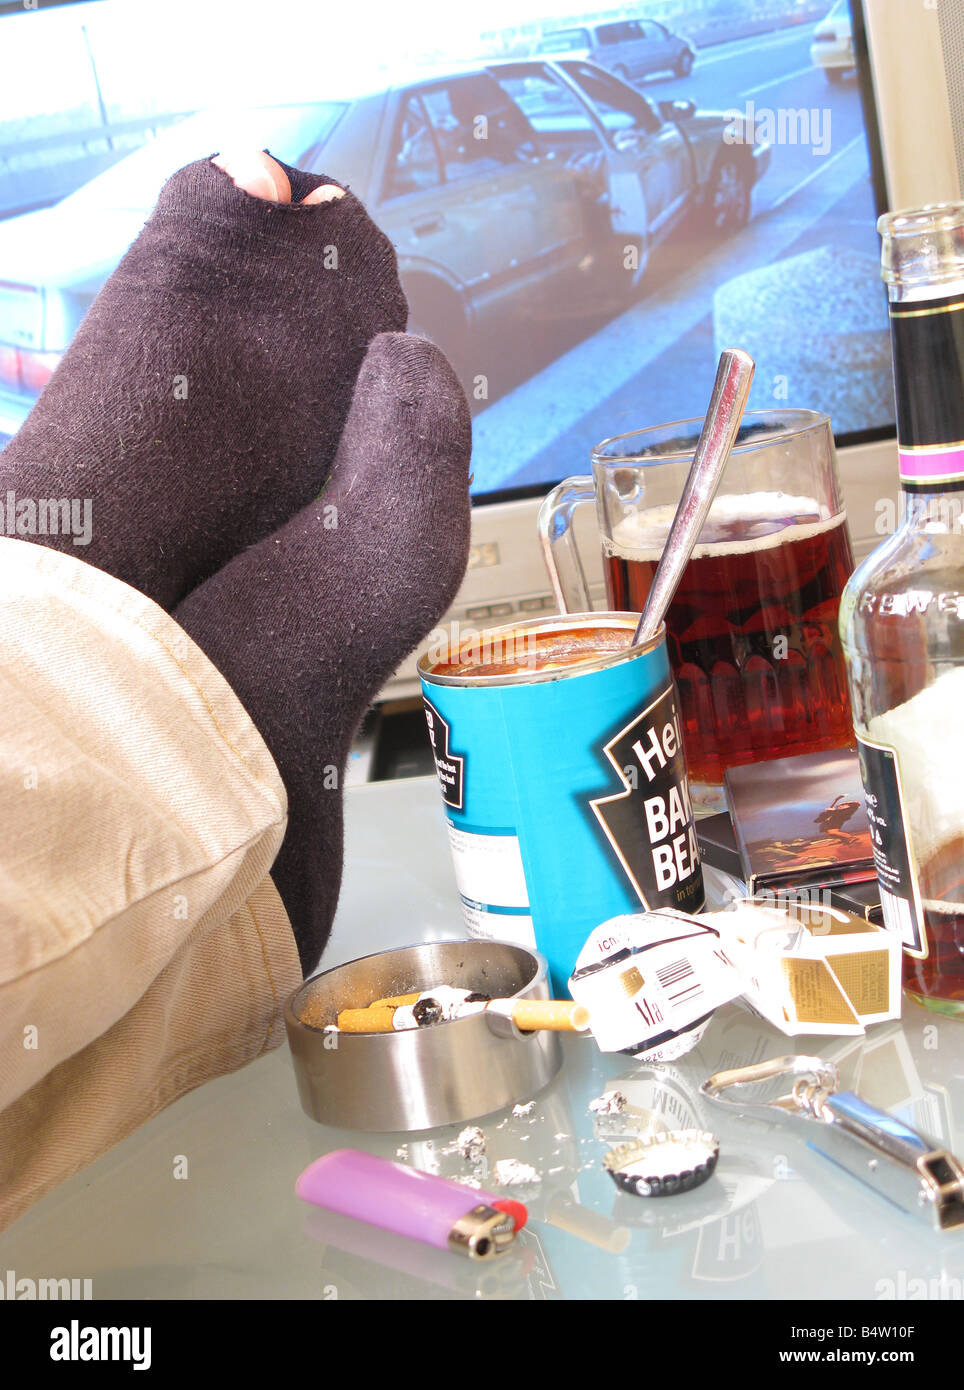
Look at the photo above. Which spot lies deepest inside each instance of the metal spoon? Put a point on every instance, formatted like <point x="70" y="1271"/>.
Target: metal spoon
<point x="727" y="403"/>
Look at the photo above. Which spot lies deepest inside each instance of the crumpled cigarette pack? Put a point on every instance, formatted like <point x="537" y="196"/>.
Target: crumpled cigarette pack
<point x="652" y="980"/>
<point x="813" y="969"/>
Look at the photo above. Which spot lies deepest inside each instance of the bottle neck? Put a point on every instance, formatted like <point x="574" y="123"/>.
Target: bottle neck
<point x="940" y="512"/>
<point x="928" y="346"/>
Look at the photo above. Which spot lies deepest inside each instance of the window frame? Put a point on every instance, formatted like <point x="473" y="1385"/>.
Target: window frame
<point x="589" y="103"/>
<point x="418" y="91"/>
<point x="405" y="99"/>
<point x="554" y="73"/>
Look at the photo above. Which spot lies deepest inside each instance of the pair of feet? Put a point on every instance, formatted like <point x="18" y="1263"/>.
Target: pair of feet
<point x="247" y="353"/>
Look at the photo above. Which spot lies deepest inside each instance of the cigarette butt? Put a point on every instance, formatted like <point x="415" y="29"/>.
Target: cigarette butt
<point x="394" y="1001"/>
<point x="558" y="1015"/>
<point x="370" y="1020"/>
<point x="587" y="1224"/>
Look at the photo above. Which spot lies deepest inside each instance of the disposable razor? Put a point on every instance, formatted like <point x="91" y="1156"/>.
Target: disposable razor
<point x="908" y="1168"/>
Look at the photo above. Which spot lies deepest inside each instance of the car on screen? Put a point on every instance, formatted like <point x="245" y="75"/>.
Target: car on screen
<point x="515" y="193"/>
<point x="628" y="48"/>
<point x="832" y="48"/>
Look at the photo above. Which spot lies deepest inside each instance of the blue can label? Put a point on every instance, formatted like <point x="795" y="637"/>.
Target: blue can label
<point x="566" y="802"/>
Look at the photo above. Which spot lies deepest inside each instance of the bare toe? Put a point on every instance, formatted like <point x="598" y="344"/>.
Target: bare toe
<point x="257" y="173"/>
<point x="326" y="193"/>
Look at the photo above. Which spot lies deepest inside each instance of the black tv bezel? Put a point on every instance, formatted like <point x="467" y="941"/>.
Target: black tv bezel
<point x="868" y="105"/>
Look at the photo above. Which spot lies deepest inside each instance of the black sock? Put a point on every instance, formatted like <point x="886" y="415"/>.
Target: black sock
<point x="308" y="624"/>
<point x="201" y="402"/>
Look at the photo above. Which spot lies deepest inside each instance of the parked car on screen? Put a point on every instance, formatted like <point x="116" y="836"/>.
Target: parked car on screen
<point x="833" y="43"/>
<point x="628" y="48"/>
<point x="511" y="192"/>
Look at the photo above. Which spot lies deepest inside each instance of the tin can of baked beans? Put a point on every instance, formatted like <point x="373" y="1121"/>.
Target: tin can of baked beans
<point x="559" y="754"/>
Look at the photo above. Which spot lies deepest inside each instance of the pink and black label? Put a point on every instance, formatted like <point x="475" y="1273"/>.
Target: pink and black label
<point x="928" y="343"/>
<point x="933" y="468"/>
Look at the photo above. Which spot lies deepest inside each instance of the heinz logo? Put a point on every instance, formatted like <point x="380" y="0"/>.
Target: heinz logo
<point x="649" y="824"/>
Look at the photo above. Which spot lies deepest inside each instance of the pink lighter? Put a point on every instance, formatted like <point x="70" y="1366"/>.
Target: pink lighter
<point x="411" y="1203"/>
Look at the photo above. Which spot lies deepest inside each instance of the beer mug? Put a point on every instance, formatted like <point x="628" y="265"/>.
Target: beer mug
<point x="752" y="629"/>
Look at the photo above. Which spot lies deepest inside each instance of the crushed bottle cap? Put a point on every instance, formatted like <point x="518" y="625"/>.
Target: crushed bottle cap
<point x="664" y="1164"/>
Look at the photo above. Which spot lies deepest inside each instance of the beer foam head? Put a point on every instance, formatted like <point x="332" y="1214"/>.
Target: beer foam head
<point x="736" y="525"/>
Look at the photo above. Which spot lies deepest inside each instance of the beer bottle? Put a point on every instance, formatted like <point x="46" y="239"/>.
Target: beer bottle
<point x="902" y="616"/>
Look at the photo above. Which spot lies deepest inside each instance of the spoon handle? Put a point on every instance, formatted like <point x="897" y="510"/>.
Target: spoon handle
<point x="734" y="376"/>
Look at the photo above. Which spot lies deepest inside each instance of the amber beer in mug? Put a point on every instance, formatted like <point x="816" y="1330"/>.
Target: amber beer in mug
<point x="752" y="629"/>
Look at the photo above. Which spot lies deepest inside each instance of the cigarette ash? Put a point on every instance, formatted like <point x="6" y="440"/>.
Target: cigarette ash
<point x="512" y="1172"/>
<point x="470" y="1143"/>
<point x="614" y="1118"/>
<point x="520" y="1111"/>
<point x="440" y="1004"/>
<point x="609" y="1103"/>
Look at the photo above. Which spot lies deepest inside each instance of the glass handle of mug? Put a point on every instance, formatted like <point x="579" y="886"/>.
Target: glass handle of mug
<point x="559" y="549"/>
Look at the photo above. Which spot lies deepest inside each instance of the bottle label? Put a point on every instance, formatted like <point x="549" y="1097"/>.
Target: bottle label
<point x="930" y="470"/>
<point x="928" y="343"/>
<point x="900" y="898"/>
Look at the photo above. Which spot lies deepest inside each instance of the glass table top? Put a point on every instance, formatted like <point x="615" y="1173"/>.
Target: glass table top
<point x="199" y="1203"/>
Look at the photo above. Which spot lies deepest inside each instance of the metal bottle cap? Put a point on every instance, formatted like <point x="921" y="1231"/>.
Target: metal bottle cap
<point x="664" y="1164"/>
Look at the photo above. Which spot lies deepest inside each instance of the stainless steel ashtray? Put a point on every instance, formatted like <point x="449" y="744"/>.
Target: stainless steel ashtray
<point x="423" y="1077"/>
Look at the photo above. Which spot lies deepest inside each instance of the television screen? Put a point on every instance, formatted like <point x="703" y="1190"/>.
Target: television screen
<point x="587" y="206"/>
